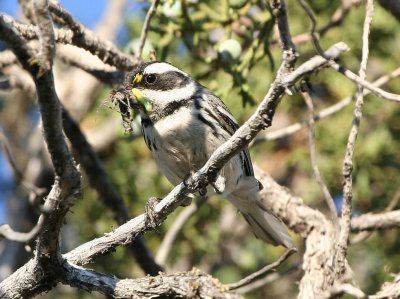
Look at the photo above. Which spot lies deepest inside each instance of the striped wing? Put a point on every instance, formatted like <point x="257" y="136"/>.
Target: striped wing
<point x="223" y="116"/>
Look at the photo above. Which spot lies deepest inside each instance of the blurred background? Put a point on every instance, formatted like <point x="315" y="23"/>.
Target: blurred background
<point x="230" y="47"/>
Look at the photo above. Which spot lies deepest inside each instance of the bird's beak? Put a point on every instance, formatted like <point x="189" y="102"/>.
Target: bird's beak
<point x="142" y="99"/>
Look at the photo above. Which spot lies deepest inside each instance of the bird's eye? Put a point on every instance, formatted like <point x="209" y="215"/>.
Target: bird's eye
<point x="151" y="78"/>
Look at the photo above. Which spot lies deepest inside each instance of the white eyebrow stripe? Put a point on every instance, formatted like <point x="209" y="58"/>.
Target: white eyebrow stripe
<point x="160" y="68"/>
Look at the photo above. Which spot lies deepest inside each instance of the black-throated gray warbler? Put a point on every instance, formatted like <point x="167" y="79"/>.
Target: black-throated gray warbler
<point x="183" y="124"/>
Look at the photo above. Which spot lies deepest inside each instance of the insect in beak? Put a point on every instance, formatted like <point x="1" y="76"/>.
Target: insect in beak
<point x="141" y="98"/>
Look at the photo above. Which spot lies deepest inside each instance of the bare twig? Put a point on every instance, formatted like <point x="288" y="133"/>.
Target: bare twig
<point x="268" y="279"/>
<point x="145" y="29"/>
<point x="372" y="222"/>
<point x="345" y="288"/>
<point x="357" y="79"/>
<point x="289" y="130"/>
<point x="343" y="237"/>
<point x="258" y="274"/>
<point x="19" y="176"/>
<point x="7" y="232"/>
<point x="287" y="45"/>
<point x="363" y="235"/>
<point x="314" y="33"/>
<point x="86" y="39"/>
<point x="313" y="157"/>
<point x="103" y="72"/>
<point x="337" y="19"/>
<point x="176" y="227"/>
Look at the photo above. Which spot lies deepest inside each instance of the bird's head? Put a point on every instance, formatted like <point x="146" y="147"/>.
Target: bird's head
<point x="155" y="84"/>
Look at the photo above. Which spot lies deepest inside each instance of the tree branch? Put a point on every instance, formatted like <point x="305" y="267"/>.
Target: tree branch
<point x="86" y="39"/>
<point x="289" y="130"/>
<point x="145" y="29"/>
<point x="372" y="222"/>
<point x="192" y="284"/>
<point x="343" y="237"/>
<point x="258" y="274"/>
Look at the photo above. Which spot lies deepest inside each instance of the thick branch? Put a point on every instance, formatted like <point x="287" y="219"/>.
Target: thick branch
<point x="192" y="284"/>
<point x="312" y="225"/>
<point x="67" y="183"/>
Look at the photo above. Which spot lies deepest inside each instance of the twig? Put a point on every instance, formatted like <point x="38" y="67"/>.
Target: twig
<point x="309" y="223"/>
<point x="357" y="79"/>
<point x="314" y="33"/>
<point x="339" y="15"/>
<point x="103" y="72"/>
<point x="173" y="231"/>
<point x="268" y="279"/>
<point x="289" y="51"/>
<point x="313" y="157"/>
<point x="345" y="288"/>
<point x="289" y="130"/>
<point x="363" y="235"/>
<point x="145" y="29"/>
<point x="343" y="238"/>
<point x="7" y="232"/>
<point x="19" y="176"/>
<point x="86" y="39"/>
<point x="256" y="275"/>
<point x="372" y="222"/>
<point x="337" y="19"/>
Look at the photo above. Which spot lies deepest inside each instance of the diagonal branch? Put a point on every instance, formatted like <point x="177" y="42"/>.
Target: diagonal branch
<point x="145" y="30"/>
<point x="291" y="129"/>
<point x="258" y="274"/>
<point x="313" y="157"/>
<point x="86" y="39"/>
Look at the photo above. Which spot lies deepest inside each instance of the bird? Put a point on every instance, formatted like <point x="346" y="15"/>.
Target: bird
<point x="183" y="123"/>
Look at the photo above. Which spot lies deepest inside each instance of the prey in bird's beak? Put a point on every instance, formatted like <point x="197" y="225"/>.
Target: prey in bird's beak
<point x="140" y="96"/>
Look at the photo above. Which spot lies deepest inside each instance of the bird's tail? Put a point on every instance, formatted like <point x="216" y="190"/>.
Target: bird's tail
<point x="264" y="225"/>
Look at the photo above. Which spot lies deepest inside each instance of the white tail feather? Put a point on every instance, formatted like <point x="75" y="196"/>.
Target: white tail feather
<point x="264" y="225"/>
<point x="267" y="227"/>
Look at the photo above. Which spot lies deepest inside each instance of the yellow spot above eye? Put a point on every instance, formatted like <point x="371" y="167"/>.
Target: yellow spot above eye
<point x="138" y="78"/>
